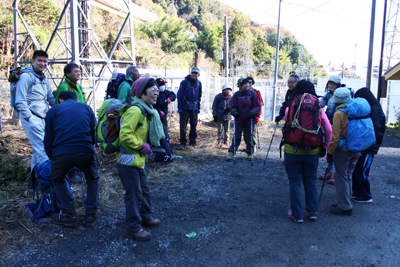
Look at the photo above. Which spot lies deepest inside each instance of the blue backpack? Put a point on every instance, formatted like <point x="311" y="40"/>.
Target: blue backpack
<point x="113" y="85"/>
<point x="46" y="204"/>
<point x="360" y="129"/>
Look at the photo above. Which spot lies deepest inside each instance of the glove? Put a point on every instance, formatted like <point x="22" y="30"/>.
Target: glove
<point x="252" y="113"/>
<point x="322" y="153"/>
<point x="215" y="119"/>
<point x="226" y="111"/>
<point x="145" y="149"/>
<point x="234" y="112"/>
<point x="169" y="100"/>
<point x="277" y="119"/>
<point x="162" y="114"/>
<point x="180" y="110"/>
<point x="329" y="158"/>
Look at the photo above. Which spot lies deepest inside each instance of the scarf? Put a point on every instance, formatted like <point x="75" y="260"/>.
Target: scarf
<point x="156" y="130"/>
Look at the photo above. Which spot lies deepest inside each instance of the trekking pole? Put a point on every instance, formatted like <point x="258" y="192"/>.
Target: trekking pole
<point x="272" y="138"/>
<point x="258" y="138"/>
<point x="252" y="142"/>
<point x="234" y="140"/>
<point x="323" y="183"/>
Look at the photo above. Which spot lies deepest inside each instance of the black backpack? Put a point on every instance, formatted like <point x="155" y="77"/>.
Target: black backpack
<point x="113" y="85"/>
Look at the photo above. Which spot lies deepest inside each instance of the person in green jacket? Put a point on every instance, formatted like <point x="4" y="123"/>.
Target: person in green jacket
<point x="124" y="89"/>
<point x="141" y="128"/>
<point x="72" y="75"/>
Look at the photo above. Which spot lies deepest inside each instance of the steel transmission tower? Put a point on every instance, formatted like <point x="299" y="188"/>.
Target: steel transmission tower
<point x="392" y="39"/>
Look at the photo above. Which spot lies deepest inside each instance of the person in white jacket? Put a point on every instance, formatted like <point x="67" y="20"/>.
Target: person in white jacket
<point x="32" y="99"/>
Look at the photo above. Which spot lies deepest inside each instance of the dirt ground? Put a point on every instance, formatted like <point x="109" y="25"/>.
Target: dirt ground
<point x="239" y="213"/>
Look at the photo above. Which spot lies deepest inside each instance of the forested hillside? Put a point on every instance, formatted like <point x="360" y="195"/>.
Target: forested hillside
<point x="186" y="28"/>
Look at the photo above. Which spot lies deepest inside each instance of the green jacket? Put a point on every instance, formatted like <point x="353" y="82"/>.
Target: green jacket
<point x="67" y="85"/>
<point x="124" y="90"/>
<point x="132" y="137"/>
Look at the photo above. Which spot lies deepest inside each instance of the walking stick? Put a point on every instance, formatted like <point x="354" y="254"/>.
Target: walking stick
<point x="252" y="142"/>
<point x="323" y="183"/>
<point x="272" y="138"/>
<point x="258" y="138"/>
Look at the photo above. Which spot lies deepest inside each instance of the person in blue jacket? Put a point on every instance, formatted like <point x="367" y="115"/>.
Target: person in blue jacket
<point x="164" y="98"/>
<point x="189" y="98"/>
<point x="222" y="115"/>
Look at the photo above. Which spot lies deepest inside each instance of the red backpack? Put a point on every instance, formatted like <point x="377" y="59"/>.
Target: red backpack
<point x="303" y="125"/>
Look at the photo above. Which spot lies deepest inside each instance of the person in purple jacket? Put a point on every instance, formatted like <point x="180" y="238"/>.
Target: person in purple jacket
<point x="244" y="106"/>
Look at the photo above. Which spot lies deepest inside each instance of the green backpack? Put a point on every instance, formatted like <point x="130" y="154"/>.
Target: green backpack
<point x="109" y="123"/>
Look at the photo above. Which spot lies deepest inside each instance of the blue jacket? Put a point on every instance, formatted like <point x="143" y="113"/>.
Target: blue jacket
<point x="189" y="95"/>
<point x="70" y="128"/>
<point x="162" y="102"/>
<point x="221" y="102"/>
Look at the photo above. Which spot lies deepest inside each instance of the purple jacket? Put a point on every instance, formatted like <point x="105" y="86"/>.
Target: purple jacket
<point x="244" y="102"/>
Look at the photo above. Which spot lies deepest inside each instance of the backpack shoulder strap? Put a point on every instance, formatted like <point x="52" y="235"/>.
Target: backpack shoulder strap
<point x="144" y="114"/>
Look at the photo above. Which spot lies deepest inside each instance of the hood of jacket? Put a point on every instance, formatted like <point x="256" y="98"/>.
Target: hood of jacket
<point x="31" y="70"/>
<point x="189" y="79"/>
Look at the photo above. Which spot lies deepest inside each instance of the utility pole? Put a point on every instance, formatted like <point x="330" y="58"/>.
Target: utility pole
<point x="226" y="48"/>
<point x="371" y="45"/>
<point x="276" y="63"/>
<point x="380" y="77"/>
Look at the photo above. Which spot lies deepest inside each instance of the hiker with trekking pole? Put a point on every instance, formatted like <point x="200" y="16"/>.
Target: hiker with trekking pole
<point x="306" y="135"/>
<point x="244" y="106"/>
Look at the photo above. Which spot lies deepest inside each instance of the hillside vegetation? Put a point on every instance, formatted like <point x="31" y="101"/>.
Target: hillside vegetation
<point x="186" y="29"/>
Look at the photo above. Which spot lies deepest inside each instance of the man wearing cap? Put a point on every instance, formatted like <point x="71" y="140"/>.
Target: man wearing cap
<point x="221" y="114"/>
<point x="132" y="74"/>
<point x="290" y="94"/>
<point x="345" y="160"/>
<point x="189" y="98"/>
<point x="164" y="98"/>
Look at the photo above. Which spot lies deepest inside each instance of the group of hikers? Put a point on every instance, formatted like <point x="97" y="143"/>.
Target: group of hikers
<point x="66" y="135"/>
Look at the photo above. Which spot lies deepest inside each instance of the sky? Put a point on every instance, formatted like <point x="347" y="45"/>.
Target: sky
<point x="333" y="31"/>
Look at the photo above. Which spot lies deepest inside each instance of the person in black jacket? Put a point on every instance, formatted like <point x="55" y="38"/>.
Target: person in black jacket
<point x="164" y="98"/>
<point x="361" y="187"/>
<point x="221" y="114"/>
<point x="290" y="94"/>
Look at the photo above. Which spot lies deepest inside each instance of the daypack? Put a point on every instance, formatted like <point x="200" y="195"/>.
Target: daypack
<point x="184" y="100"/>
<point x="360" y="128"/>
<point x="40" y="183"/>
<point x="109" y="123"/>
<point x="303" y="125"/>
<point x="113" y="85"/>
<point x="13" y="78"/>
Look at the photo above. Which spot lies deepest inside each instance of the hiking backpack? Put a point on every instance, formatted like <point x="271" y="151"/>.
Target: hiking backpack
<point x="13" y="78"/>
<point x="113" y="85"/>
<point x="40" y="183"/>
<point x="184" y="100"/>
<point x="360" y="128"/>
<point x="109" y="123"/>
<point x="303" y="125"/>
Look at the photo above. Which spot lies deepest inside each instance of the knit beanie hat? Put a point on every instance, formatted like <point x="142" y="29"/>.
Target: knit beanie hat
<point x="139" y="85"/>
<point x="341" y="96"/>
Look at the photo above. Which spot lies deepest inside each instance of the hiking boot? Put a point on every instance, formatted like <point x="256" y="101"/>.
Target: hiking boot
<point x="63" y="219"/>
<point x="332" y="180"/>
<point x="193" y="145"/>
<point x="229" y="158"/>
<point x="90" y="220"/>
<point x="362" y="200"/>
<point x="312" y="215"/>
<point x="142" y="235"/>
<point x="339" y="211"/>
<point x="329" y="175"/>
<point x="249" y="157"/>
<point x="220" y="144"/>
<point x="293" y="218"/>
<point x="181" y="147"/>
<point x="153" y="222"/>
<point x="226" y="143"/>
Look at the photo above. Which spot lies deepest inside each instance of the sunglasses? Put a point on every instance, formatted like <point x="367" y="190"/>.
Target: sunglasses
<point x="76" y="71"/>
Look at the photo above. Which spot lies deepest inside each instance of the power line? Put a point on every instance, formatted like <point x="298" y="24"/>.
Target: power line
<point x="266" y="11"/>
<point x="310" y="9"/>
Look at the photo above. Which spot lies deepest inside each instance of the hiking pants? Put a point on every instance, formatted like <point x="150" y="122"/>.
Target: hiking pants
<point x="361" y="177"/>
<point x="34" y="129"/>
<point x="86" y="162"/>
<point x="223" y="136"/>
<point x="345" y="162"/>
<point x="255" y="134"/>
<point x="184" y="117"/>
<point x="302" y="169"/>
<point x="245" y="127"/>
<point x="137" y="197"/>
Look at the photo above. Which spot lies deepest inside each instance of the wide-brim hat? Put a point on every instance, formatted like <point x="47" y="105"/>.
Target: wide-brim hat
<point x="341" y="96"/>
<point x="225" y="86"/>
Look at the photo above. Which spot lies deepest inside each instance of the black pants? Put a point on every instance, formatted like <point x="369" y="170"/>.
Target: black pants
<point x="137" y="197"/>
<point x="184" y="117"/>
<point x="60" y="165"/>
<point x="245" y="127"/>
